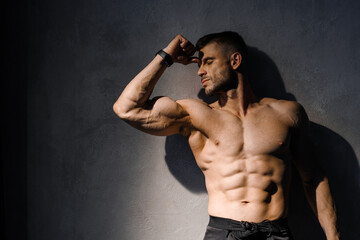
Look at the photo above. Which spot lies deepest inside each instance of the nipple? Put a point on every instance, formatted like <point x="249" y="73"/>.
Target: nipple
<point x="280" y="142"/>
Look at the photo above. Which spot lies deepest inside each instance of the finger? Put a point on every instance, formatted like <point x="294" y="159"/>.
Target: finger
<point x="188" y="48"/>
<point x="180" y="38"/>
<point x="192" y="52"/>
<point x="184" y="43"/>
<point x="181" y="58"/>
<point x="194" y="60"/>
<point x="189" y="52"/>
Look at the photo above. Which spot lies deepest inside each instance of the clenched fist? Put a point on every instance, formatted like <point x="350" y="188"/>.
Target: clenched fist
<point x="181" y="50"/>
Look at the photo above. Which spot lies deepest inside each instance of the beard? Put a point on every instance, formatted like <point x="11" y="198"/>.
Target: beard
<point x="222" y="81"/>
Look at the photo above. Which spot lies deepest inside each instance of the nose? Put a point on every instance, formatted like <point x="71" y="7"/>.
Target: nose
<point x="201" y="71"/>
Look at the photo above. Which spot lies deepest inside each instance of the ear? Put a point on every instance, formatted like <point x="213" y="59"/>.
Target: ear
<point x="235" y="60"/>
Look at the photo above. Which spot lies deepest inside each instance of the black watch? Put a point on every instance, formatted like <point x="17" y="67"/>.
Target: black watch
<point x="167" y="58"/>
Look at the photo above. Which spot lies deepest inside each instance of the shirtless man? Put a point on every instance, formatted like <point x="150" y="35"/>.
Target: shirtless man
<point x="243" y="145"/>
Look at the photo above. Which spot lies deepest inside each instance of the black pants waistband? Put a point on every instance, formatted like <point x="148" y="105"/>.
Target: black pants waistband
<point x="265" y="226"/>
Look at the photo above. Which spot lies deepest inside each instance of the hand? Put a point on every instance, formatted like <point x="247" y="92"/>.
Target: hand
<point x="181" y="50"/>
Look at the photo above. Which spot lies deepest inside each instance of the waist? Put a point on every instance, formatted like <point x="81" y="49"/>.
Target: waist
<point x="266" y="226"/>
<point x="248" y="209"/>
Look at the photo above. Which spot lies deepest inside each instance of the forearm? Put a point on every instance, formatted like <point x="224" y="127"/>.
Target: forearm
<point x="320" y="199"/>
<point x="138" y="91"/>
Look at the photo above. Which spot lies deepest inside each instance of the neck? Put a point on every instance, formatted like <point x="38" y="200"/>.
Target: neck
<point x="237" y="100"/>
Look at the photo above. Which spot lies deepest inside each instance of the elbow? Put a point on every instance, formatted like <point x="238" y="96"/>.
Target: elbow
<point x="314" y="181"/>
<point x="116" y="108"/>
<point x="120" y="111"/>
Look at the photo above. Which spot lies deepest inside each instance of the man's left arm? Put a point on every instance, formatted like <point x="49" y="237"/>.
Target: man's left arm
<point x="315" y="183"/>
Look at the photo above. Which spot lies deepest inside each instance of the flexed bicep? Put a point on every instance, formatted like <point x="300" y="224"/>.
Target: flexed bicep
<point x="160" y="116"/>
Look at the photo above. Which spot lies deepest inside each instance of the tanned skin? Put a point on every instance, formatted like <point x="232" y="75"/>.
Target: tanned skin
<point x="243" y="145"/>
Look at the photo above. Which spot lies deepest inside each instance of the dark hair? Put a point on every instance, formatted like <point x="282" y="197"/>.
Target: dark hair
<point x="230" y="41"/>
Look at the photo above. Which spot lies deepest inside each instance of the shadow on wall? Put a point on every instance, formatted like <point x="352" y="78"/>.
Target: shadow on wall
<point x="182" y="165"/>
<point x="334" y="155"/>
<point x="338" y="161"/>
<point x="264" y="76"/>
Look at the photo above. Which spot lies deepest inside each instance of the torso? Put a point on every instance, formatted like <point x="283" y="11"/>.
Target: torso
<point x="245" y="160"/>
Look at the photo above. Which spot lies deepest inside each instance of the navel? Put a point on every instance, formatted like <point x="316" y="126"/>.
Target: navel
<point x="217" y="142"/>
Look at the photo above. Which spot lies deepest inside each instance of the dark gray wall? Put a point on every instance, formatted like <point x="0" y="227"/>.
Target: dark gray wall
<point x="91" y="176"/>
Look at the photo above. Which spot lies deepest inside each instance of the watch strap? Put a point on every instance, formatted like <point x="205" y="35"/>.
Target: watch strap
<point x="167" y="58"/>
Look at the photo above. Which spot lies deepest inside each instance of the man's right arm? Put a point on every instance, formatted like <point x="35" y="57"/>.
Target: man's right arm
<point x="161" y="115"/>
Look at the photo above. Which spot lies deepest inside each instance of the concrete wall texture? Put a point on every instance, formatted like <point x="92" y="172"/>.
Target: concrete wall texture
<point x="90" y="176"/>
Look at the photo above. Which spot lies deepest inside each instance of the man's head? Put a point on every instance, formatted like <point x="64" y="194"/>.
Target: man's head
<point x="222" y="55"/>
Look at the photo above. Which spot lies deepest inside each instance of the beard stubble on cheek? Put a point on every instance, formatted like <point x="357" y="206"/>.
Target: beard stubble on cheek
<point x="221" y="81"/>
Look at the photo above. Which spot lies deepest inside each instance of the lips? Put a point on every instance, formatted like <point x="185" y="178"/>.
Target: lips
<point x="203" y="81"/>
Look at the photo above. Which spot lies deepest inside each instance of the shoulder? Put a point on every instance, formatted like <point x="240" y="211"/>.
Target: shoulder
<point x="202" y="115"/>
<point x="198" y="110"/>
<point x="190" y="101"/>
<point x="193" y="104"/>
<point x="292" y="112"/>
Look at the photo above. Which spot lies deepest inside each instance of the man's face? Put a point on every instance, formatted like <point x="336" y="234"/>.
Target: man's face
<point x="215" y="70"/>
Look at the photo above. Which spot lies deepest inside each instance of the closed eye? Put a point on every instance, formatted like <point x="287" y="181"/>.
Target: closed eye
<point x="206" y="61"/>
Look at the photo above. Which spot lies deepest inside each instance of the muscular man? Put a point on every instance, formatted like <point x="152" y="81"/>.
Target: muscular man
<point x="243" y="145"/>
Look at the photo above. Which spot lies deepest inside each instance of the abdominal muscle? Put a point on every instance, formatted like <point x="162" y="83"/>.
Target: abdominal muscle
<point x="245" y="189"/>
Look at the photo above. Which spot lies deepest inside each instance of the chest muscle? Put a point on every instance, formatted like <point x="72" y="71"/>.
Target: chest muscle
<point x="230" y="136"/>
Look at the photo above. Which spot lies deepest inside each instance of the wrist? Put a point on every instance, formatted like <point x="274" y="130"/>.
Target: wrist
<point x="168" y="61"/>
<point x="170" y="51"/>
<point x="333" y="236"/>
